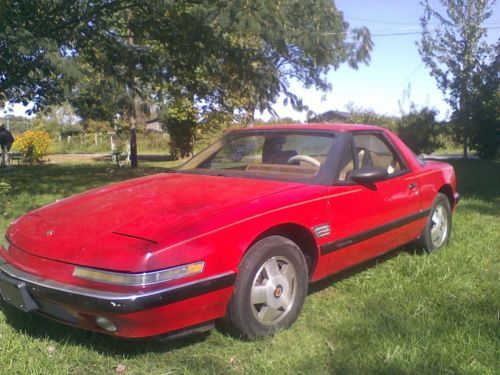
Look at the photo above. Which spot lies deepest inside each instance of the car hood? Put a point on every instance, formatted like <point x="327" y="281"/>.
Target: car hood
<point x="149" y="209"/>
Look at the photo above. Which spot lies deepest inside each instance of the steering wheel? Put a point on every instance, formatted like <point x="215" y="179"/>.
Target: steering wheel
<point x="305" y="158"/>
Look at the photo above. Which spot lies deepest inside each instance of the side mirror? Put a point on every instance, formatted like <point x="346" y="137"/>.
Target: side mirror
<point x="369" y="175"/>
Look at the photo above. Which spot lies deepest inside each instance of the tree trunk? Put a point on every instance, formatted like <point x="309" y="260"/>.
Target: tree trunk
<point x="465" y="147"/>
<point x="133" y="135"/>
<point x="250" y="117"/>
<point x="133" y="115"/>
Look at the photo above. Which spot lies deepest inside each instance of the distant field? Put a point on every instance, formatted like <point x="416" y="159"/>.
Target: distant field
<point x="407" y="313"/>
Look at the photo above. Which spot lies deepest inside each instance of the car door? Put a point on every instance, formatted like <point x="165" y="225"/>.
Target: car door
<point x="367" y="220"/>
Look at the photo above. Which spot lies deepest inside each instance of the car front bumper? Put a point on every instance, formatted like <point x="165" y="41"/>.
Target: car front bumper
<point x="135" y="314"/>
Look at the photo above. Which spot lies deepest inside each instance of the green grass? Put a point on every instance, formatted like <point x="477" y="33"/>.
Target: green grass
<point x="405" y="313"/>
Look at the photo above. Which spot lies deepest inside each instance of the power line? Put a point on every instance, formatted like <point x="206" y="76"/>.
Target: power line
<point x="399" y="34"/>
<point x="492" y="21"/>
<point x="398" y="87"/>
<point x="381" y="21"/>
<point x="416" y="32"/>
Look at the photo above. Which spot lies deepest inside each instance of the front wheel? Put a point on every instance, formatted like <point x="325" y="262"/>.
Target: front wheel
<point x="438" y="228"/>
<point x="270" y="288"/>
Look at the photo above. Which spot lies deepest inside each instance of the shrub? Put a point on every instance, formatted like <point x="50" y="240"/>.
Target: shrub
<point x="33" y="145"/>
<point x="420" y="131"/>
<point x="179" y="118"/>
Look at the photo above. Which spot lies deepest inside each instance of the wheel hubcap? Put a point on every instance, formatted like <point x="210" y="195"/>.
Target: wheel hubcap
<point x="439" y="226"/>
<point x="273" y="290"/>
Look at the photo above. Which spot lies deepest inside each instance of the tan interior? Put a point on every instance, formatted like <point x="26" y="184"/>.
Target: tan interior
<point x="284" y="171"/>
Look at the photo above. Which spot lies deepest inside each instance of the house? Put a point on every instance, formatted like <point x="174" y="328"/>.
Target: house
<point x="153" y="125"/>
<point x="331" y="117"/>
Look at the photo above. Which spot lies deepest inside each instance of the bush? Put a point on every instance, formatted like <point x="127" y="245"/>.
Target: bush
<point x="486" y="117"/>
<point x="179" y="118"/>
<point x="420" y="131"/>
<point x="33" y="145"/>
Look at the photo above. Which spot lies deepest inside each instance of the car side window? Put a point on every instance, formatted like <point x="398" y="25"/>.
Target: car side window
<point x="372" y="151"/>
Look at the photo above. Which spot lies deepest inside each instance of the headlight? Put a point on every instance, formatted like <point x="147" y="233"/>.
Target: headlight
<point x="5" y="244"/>
<point x="138" y="279"/>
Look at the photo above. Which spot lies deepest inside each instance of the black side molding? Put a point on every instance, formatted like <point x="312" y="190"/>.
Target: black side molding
<point x="139" y="301"/>
<point x="366" y="235"/>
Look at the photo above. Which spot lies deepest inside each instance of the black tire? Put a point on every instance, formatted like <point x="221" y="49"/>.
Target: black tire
<point x="283" y="291"/>
<point x="431" y="240"/>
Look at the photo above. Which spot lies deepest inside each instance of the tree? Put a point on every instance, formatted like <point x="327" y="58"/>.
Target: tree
<point x="420" y="130"/>
<point x="56" y="120"/>
<point x="360" y="115"/>
<point x="453" y="48"/>
<point x="99" y="98"/>
<point x="37" y="42"/>
<point x="486" y="109"/>
<point x="229" y="55"/>
<point x="180" y="118"/>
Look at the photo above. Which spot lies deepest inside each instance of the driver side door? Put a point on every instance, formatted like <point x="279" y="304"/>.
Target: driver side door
<point x="370" y="219"/>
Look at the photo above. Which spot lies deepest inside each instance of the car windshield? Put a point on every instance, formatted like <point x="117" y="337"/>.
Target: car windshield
<point x="273" y="155"/>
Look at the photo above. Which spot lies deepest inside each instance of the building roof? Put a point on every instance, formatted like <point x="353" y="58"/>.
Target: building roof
<point x="330" y="116"/>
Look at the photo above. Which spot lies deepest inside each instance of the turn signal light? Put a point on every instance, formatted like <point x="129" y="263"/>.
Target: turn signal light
<point x="138" y="279"/>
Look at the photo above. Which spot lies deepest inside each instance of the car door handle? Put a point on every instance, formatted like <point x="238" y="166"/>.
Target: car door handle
<point x="412" y="186"/>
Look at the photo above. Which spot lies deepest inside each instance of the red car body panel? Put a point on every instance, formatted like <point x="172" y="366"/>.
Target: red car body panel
<point x="167" y="220"/>
<point x="138" y="208"/>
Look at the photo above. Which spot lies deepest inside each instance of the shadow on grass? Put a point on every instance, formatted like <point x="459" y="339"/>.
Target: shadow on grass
<point x="412" y="248"/>
<point x="39" y="327"/>
<point x="67" y="179"/>
<point x="479" y="179"/>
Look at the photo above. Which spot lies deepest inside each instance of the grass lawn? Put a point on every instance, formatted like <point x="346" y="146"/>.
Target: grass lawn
<point x="406" y="313"/>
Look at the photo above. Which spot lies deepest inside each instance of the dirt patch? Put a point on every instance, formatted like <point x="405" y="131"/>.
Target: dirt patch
<point x="76" y="158"/>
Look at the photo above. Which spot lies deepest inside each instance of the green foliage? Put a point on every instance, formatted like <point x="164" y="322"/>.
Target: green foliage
<point x="368" y="116"/>
<point x="420" y="130"/>
<point x="38" y="42"/>
<point x="33" y="145"/>
<point x="454" y="49"/>
<point x="100" y="98"/>
<point x="57" y="120"/>
<point x="5" y="187"/>
<point x="486" y="110"/>
<point x="180" y="119"/>
<point x="92" y="126"/>
<point x="212" y="126"/>
<point x="229" y="56"/>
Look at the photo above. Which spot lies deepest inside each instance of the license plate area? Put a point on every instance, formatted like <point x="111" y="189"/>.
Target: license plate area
<point x="14" y="293"/>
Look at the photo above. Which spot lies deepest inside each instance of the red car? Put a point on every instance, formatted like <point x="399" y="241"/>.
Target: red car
<point x="236" y="234"/>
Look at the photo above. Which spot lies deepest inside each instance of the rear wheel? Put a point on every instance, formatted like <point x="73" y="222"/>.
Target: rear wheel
<point x="438" y="228"/>
<point x="270" y="288"/>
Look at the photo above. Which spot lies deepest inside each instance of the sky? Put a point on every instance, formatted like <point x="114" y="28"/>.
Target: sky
<point x="395" y="64"/>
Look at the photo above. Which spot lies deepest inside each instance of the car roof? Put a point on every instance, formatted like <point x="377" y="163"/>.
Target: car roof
<point x="315" y="126"/>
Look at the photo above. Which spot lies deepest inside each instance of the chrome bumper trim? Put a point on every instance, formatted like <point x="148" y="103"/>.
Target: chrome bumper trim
<point x="94" y="299"/>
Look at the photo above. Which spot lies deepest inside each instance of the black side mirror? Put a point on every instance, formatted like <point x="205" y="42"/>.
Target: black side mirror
<point x="369" y="175"/>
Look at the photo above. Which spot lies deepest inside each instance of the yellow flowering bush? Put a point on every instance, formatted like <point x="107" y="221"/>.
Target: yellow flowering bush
<point x="33" y="145"/>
